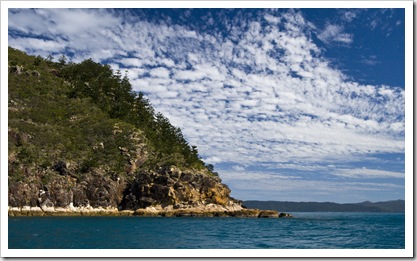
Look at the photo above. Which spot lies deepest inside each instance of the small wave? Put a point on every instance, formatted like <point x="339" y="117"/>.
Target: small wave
<point x="263" y="245"/>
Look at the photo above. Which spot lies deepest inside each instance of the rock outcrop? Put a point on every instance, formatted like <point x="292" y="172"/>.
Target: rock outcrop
<point x="285" y="215"/>
<point x="95" y="190"/>
<point x="16" y="69"/>
<point x="168" y="192"/>
<point x="172" y="187"/>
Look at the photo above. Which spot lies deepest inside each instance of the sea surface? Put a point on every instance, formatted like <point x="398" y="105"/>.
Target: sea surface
<point x="324" y="230"/>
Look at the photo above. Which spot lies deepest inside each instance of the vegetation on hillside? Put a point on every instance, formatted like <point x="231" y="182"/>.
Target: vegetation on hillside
<point x="77" y="117"/>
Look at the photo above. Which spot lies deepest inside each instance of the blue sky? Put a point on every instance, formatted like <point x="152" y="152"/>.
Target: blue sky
<point x="287" y="104"/>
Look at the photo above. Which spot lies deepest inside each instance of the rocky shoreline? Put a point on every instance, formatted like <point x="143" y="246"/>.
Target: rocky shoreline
<point x="166" y="193"/>
<point x="210" y="210"/>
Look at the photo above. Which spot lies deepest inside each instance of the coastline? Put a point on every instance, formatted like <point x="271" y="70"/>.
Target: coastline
<point x="200" y="211"/>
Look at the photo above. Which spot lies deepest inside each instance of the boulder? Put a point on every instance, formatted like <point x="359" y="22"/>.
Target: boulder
<point x="47" y="205"/>
<point x="268" y="214"/>
<point x="55" y="72"/>
<point x="60" y="167"/>
<point x="16" y="69"/>
<point x="35" y="73"/>
<point x="285" y="215"/>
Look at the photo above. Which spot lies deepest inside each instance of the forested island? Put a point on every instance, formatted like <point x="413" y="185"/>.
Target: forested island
<point x="393" y="206"/>
<point x="82" y="142"/>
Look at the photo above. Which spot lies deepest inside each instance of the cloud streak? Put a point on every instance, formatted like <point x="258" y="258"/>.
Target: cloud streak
<point x="335" y="33"/>
<point x="289" y="188"/>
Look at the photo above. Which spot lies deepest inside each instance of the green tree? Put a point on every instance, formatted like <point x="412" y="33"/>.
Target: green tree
<point x="37" y="61"/>
<point x="113" y="94"/>
<point x="62" y="60"/>
<point x="210" y="167"/>
<point x="49" y="58"/>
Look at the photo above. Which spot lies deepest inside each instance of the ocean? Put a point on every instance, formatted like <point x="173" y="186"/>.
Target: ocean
<point x="323" y="230"/>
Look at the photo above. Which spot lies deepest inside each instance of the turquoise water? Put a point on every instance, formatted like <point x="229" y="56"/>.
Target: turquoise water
<point x="307" y="230"/>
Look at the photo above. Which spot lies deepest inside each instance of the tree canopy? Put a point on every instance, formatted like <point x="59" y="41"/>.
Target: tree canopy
<point x="113" y="94"/>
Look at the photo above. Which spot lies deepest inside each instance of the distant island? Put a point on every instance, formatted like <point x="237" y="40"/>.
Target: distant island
<point x="393" y="206"/>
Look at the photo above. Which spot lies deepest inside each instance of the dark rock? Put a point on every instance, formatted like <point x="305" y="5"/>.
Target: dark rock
<point x="35" y="73"/>
<point x="246" y="213"/>
<point x="161" y="180"/>
<point x="147" y="201"/>
<point x="285" y="215"/>
<point x="186" y="177"/>
<point x="80" y="198"/>
<point x="27" y="193"/>
<point x="131" y="202"/>
<point x="268" y="214"/>
<point x="102" y="191"/>
<point x="47" y="204"/>
<point x="61" y="167"/>
<point x="16" y="69"/>
<point x="59" y="191"/>
<point x="55" y="72"/>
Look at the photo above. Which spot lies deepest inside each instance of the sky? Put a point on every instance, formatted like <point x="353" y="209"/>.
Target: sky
<point x="287" y="104"/>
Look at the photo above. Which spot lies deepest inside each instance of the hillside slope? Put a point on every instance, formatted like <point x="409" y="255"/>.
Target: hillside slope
<point x="80" y="138"/>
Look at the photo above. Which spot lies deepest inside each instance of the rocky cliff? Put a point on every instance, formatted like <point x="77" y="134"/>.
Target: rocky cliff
<point x="152" y="192"/>
<point x="168" y="192"/>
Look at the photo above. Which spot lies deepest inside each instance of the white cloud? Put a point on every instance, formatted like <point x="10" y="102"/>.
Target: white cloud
<point x="167" y="62"/>
<point x="74" y="21"/>
<point x="238" y="168"/>
<point x="335" y="33"/>
<point x="368" y="173"/>
<point x="191" y="75"/>
<point x="371" y="60"/>
<point x="134" y="62"/>
<point x="42" y="45"/>
<point x="160" y="72"/>
<point x="279" y="186"/>
<point x="272" y="19"/>
<point x="349" y="16"/>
